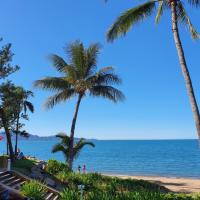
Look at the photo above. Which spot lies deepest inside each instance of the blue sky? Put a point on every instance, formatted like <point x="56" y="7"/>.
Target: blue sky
<point x="156" y="105"/>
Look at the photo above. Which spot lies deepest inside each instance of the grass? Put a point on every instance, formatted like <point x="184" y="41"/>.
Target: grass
<point x="97" y="182"/>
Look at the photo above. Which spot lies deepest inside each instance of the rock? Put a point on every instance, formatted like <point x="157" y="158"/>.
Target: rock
<point x="36" y="172"/>
<point x="37" y="175"/>
<point x="50" y="182"/>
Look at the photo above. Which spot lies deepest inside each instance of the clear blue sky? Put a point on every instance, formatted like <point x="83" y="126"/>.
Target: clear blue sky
<point x="156" y="103"/>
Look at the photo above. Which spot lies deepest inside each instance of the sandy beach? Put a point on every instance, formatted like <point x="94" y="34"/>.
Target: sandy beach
<point x="185" y="185"/>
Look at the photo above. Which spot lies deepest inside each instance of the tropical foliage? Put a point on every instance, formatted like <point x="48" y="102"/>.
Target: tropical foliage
<point x="21" y="105"/>
<point x="99" y="187"/>
<point x="33" y="190"/>
<point x="54" y="167"/>
<point x="79" y="78"/>
<point x="6" y="68"/>
<point x="13" y="99"/>
<point x="138" y="14"/>
<point x="64" y="146"/>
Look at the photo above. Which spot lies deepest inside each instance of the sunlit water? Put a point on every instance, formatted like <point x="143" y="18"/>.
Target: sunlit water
<point x="177" y="158"/>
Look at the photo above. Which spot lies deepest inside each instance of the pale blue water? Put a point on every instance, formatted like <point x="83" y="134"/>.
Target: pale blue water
<point x="177" y="158"/>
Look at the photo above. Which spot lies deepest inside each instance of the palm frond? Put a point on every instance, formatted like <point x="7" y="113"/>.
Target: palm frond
<point x="159" y="12"/>
<point x="59" y="97"/>
<point x="129" y="18"/>
<point x="29" y="105"/>
<point x="76" y="54"/>
<point x="65" y="138"/>
<point x="184" y="19"/>
<point x="58" y="62"/>
<point x="107" y="92"/>
<point x="79" y="146"/>
<point x="58" y="147"/>
<point x="91" y="55"/>
<point x="52" y="83"/>
<point x="105" y="76"/>
<point x="195" y="3"/>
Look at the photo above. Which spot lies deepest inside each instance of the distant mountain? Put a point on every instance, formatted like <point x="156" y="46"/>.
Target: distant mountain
<point x="36" y="137"/>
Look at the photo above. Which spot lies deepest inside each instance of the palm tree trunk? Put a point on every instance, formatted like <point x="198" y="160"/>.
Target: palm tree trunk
<point x="184" y="68"/>
<point x="71" y="145"/>
<point x="16" y="132"/>
<point x="8" y="135"/>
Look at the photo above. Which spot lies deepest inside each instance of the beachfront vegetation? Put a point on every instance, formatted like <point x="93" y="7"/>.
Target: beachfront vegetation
<point x="34" y="190"/>
<point x="6" y="68"/>
<point x="79" y="78"/>
<point x="99" y="187"/>
<point x="64" y="146"/>
<point x="13" y="100"/>
<point x="54" y="167"/>
<point x="23" y="166"/>
<point x="22" y="105"/>
<point x="13" y="109"/>
<point x="137" y="14"/>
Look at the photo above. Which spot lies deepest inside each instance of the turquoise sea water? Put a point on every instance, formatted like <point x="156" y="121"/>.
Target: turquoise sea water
<point x="177" y="158"/>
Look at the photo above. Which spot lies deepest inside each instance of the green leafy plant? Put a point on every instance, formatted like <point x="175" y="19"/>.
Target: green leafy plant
<point x="34" y="190"/>
<point x="54" y="167"/>
<point x="69" y="195"/>
<point x="64" y="146"/>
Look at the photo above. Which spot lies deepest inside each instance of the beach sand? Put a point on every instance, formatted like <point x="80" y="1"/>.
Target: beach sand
<point x="185" y="185"/>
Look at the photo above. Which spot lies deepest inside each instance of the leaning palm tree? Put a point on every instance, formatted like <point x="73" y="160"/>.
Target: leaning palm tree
<point x="64" y="146"/>
<point x="178" y="15"/>
<point x="79" y="78"/>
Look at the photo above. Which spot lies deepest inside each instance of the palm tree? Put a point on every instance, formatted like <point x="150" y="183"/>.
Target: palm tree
<point x="64" y="146"/>
<point x="178" y="14"/>
<point x="22" y="106"/>
<point x="79" y="78"/>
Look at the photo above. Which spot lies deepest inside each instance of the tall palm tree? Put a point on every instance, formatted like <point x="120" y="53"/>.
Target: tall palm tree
<point x="79" y="78"/>
<point x="22" y="106"/>
<point x="178" y="15"/>
<point x="64" y="146"/>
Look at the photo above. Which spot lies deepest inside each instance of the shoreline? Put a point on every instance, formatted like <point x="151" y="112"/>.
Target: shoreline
<point x="174" y="184"/>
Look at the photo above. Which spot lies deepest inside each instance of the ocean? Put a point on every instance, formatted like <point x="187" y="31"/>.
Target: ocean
<point x="170" y="158"/>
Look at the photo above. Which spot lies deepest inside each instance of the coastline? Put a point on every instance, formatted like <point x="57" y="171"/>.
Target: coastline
<point x="174" y="184"/>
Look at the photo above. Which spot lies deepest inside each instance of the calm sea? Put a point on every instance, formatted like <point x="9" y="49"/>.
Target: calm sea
<point x="176" y="158"/>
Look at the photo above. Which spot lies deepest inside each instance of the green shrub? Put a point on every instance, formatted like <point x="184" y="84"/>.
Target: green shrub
<point x="54" y="167"/>
<point x="69" y="195"/>
<point x="24" y="163"/>
<point x="34" y="190"/>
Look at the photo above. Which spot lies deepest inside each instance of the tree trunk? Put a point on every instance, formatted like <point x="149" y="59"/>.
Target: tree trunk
<point x="184" y="68"/>
<point x="8" y="135"/>
<point x="16" y="132"/>
<point x="71" y="145"/>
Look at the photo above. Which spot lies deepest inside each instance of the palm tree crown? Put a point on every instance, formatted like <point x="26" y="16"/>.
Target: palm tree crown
<point x="178" y="15"/>
<point x="139" y="13"/>
<point x="64" y="146"/>
<point x="80" y="76"/>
